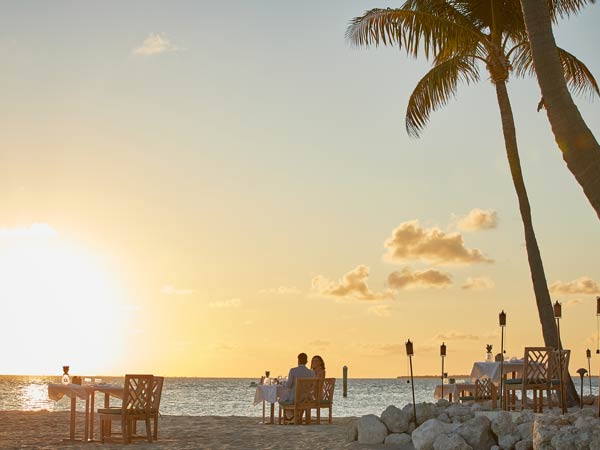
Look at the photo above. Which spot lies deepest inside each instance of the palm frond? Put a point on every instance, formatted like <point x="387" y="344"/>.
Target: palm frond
<point x="410" y="30"/>
<point x="560" y="9"/>
<point x="579" y="78"/>
<point x="436" y="88"/>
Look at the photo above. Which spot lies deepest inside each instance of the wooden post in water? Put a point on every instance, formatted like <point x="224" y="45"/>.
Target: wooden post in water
<point x="345" y="381"/>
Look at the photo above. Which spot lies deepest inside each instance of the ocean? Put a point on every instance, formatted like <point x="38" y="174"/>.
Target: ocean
<point x="232" y="396"/>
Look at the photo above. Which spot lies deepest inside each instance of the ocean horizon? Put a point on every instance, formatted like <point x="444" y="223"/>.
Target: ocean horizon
<point x="204" y="396"/>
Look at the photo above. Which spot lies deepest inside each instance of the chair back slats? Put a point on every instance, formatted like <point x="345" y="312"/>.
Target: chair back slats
<point x="537" y="366"/>
<point x="306" y="392"/>
<point x="327" y="390"/>
<point x="484" y="389"/>
<point x="564" y="363"/>
<point x="157" y="387"/>
<point x="137" y="396"/>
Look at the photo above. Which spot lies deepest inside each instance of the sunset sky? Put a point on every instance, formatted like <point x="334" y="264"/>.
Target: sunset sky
<point x="195" y="188"/>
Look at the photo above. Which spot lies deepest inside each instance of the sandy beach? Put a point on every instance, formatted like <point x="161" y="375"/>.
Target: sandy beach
<point x="45" y="430"/>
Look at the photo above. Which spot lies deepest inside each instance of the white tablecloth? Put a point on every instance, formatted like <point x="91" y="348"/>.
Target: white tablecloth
<point x="269" y="393"/>
<point x="57" y="391"/>
<point x="492" y="370"/>
<point x="456" y="389"/>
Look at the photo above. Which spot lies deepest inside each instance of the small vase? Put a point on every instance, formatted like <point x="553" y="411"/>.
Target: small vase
<point x="489" y="357"/>
<point x="65" y="377"/>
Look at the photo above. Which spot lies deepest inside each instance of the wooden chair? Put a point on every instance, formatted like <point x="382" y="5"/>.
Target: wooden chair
<point x="326" y="398"/>
<point x="555" y="385"/>
<point x="137" y="404"/>
<point x="537" y="370"/>
<point x="483" y="390"/>
<point x="305" y="399"/>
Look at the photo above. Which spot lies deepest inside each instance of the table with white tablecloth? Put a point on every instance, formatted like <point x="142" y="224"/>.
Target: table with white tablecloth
<point x="269" y="393"/>
<point x="492" y="370"/>
<point x="84" y="392"/>
<point x="454" y="391"/>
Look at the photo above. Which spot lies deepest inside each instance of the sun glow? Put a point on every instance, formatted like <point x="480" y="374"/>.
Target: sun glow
<point x="59" y="305"/>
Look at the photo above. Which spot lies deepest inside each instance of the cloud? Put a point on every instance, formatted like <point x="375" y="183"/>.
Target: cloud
<point x="478" y="219"/>
<point x="425" y="279"/>
<point x="380" y="310"/>
<point x="171" y="290"/>
<point x="456" y="336"/>
<point x="478" y="283"/>
<point x="353" y="285"/>
<point x="281" y="290"/>
<point x="582" y="285"/>
<point x="412" y="242"/>
<point x="155" y="44"/>
<point x="230" y="303"/>
<point x="35" y="230"/>
<point x="572" y="302"/>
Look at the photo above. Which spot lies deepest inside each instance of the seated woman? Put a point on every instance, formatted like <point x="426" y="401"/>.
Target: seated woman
<point x="317" y="365"/>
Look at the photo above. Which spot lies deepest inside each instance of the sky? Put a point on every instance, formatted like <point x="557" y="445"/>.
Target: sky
<point x="195" y="188"/>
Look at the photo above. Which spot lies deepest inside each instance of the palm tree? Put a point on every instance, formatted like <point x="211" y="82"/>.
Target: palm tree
<point x="458" y="35"/>
<point x="579" y="147"/>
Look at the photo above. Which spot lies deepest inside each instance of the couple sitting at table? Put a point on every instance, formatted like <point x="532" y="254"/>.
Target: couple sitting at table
<point x="317" y="369"/>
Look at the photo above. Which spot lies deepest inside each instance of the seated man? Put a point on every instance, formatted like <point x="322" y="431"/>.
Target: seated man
<point x="296" y="372"/>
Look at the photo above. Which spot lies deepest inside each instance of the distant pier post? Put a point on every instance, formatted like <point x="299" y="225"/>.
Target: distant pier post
<point x="345" y="381"/>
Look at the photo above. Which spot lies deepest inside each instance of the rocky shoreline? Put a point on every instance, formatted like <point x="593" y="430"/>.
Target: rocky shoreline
<point x="446" y="426"/>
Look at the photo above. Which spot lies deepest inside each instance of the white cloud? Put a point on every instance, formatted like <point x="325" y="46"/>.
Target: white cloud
<point x="409" y="241"/>
<point x="582" y="285"/>
<point x="380" y="310"/>
<point x="478" y="219"/>
<point x="281" y="290"/>
<point x="230" y="303"/>
<point x="456" y="336"/>
<point x="35" y="230"/>
<point x="353" y="285"/>
<point x="478" y="283"/>
<point x="429" y="278"/>
<point x="155" y="44"/>
<point x="171" y="290"/>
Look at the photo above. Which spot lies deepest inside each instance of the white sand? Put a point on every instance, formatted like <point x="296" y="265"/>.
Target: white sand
<point x="45" y="430"/>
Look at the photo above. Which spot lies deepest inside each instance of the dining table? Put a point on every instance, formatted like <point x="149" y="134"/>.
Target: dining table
<point x="453" y="391"/>
<point x="492" y="369"/>
<point x="270" y="393"/>
<point x="87" y="393"/>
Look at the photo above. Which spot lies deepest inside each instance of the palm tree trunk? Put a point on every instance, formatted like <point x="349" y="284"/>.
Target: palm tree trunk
<point x="536" y="267"/>
<point x="580" y="149"/>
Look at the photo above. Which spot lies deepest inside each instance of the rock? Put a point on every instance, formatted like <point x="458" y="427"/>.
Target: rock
<point x="506" y="430"/>
<point x="443" y="417"/>
<point x="443" y="403"/>
<point x="494" y="447"/>
<point x="424" y="436"/>
<point x="477" y="433"/>
<point x="525" y="444"/>
<point x="452" y="441"/>
<point x="395" y="419"/>
<point x="352" y="433"/>
<point x="371" y="430"/>
<point x="543" y="432"/>
<point x="526" y="430"/>
<point x="399" y="439"/>
<point x="425" y="411"/>
<point x="525" y="416"/>
<point x="457" y="410"/>
<point x="565" y="440"/>
<point x="476" y="407"/>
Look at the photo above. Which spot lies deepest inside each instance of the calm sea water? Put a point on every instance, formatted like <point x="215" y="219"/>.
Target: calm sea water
<point x="230" y="396"/>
